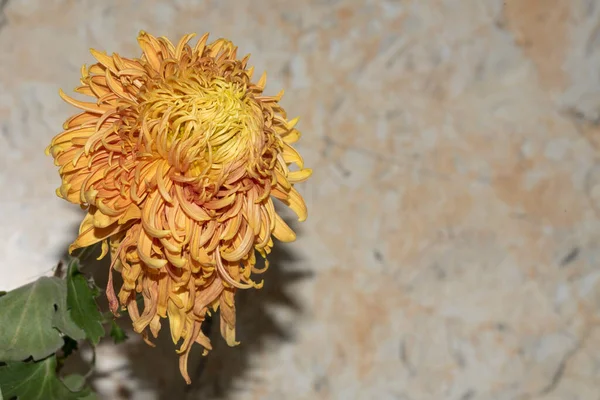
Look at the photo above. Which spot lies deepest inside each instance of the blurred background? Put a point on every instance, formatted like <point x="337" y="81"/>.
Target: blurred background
<point x="451" y="249"/>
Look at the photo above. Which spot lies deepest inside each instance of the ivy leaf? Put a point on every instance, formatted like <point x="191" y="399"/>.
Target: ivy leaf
<point x="81" y="296"/>
<point x="32" y="318"/>
<point x="35" y="381"/>
<point x="117" y="333"/>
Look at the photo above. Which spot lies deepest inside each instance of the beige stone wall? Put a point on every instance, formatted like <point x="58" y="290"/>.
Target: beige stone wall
<point x="451" y="250"/>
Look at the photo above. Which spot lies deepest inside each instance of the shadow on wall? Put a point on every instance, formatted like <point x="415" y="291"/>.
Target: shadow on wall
<point x="225" y="368"/>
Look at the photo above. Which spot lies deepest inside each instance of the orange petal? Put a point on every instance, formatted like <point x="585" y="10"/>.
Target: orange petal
<point x="89" y="107"/>
<point x="105" y="60"/>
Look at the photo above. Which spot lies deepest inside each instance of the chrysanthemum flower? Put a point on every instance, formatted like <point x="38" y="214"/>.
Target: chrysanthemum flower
<point x="177" y="160"/>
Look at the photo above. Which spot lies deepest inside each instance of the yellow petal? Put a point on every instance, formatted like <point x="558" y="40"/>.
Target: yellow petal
<point x="144" y="247"/>
<point x="291" y="137"/>
<point x="102" y="220"/>
<point x="105" y="60"/>
<point x="184" y="40"/>
<point x="282" y="231"/>
<point x="199" y="48"/>
<point x="262" y="82"/>
<point x="104" y="252"/>
<point x="291" y="156"/>
<point x="296" y="203"/>
<point x="176" y="320"/>
<point x="147" y="42"/>
<point x="132" y="212"/>
<point x="299" y="176"/>
<point x="89" y="234"/>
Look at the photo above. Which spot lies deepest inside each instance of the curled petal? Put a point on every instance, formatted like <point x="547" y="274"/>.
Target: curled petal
<point x="296" y="203"/>
<point x="225" y="275"/>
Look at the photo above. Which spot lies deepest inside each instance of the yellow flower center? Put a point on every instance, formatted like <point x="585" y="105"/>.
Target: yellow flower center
<point x="201" y="125"/>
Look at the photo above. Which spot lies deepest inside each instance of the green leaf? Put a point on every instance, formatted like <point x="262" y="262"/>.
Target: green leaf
<point x="81" y="296"/>
<point x="76" y="383"/>
<point x="117" y="333"/>
<point x="64" y="322"/>
<point x="32" y="318"/>
<point x="35" y="381"/>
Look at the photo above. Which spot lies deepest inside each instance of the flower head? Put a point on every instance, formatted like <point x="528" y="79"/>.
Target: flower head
<point x="177" y="160"/>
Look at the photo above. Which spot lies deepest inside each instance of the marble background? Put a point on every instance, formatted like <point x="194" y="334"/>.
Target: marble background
<point x="451" y="250"/>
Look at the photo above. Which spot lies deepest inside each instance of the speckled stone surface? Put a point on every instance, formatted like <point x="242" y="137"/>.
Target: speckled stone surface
<point x="451" y="250"/>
